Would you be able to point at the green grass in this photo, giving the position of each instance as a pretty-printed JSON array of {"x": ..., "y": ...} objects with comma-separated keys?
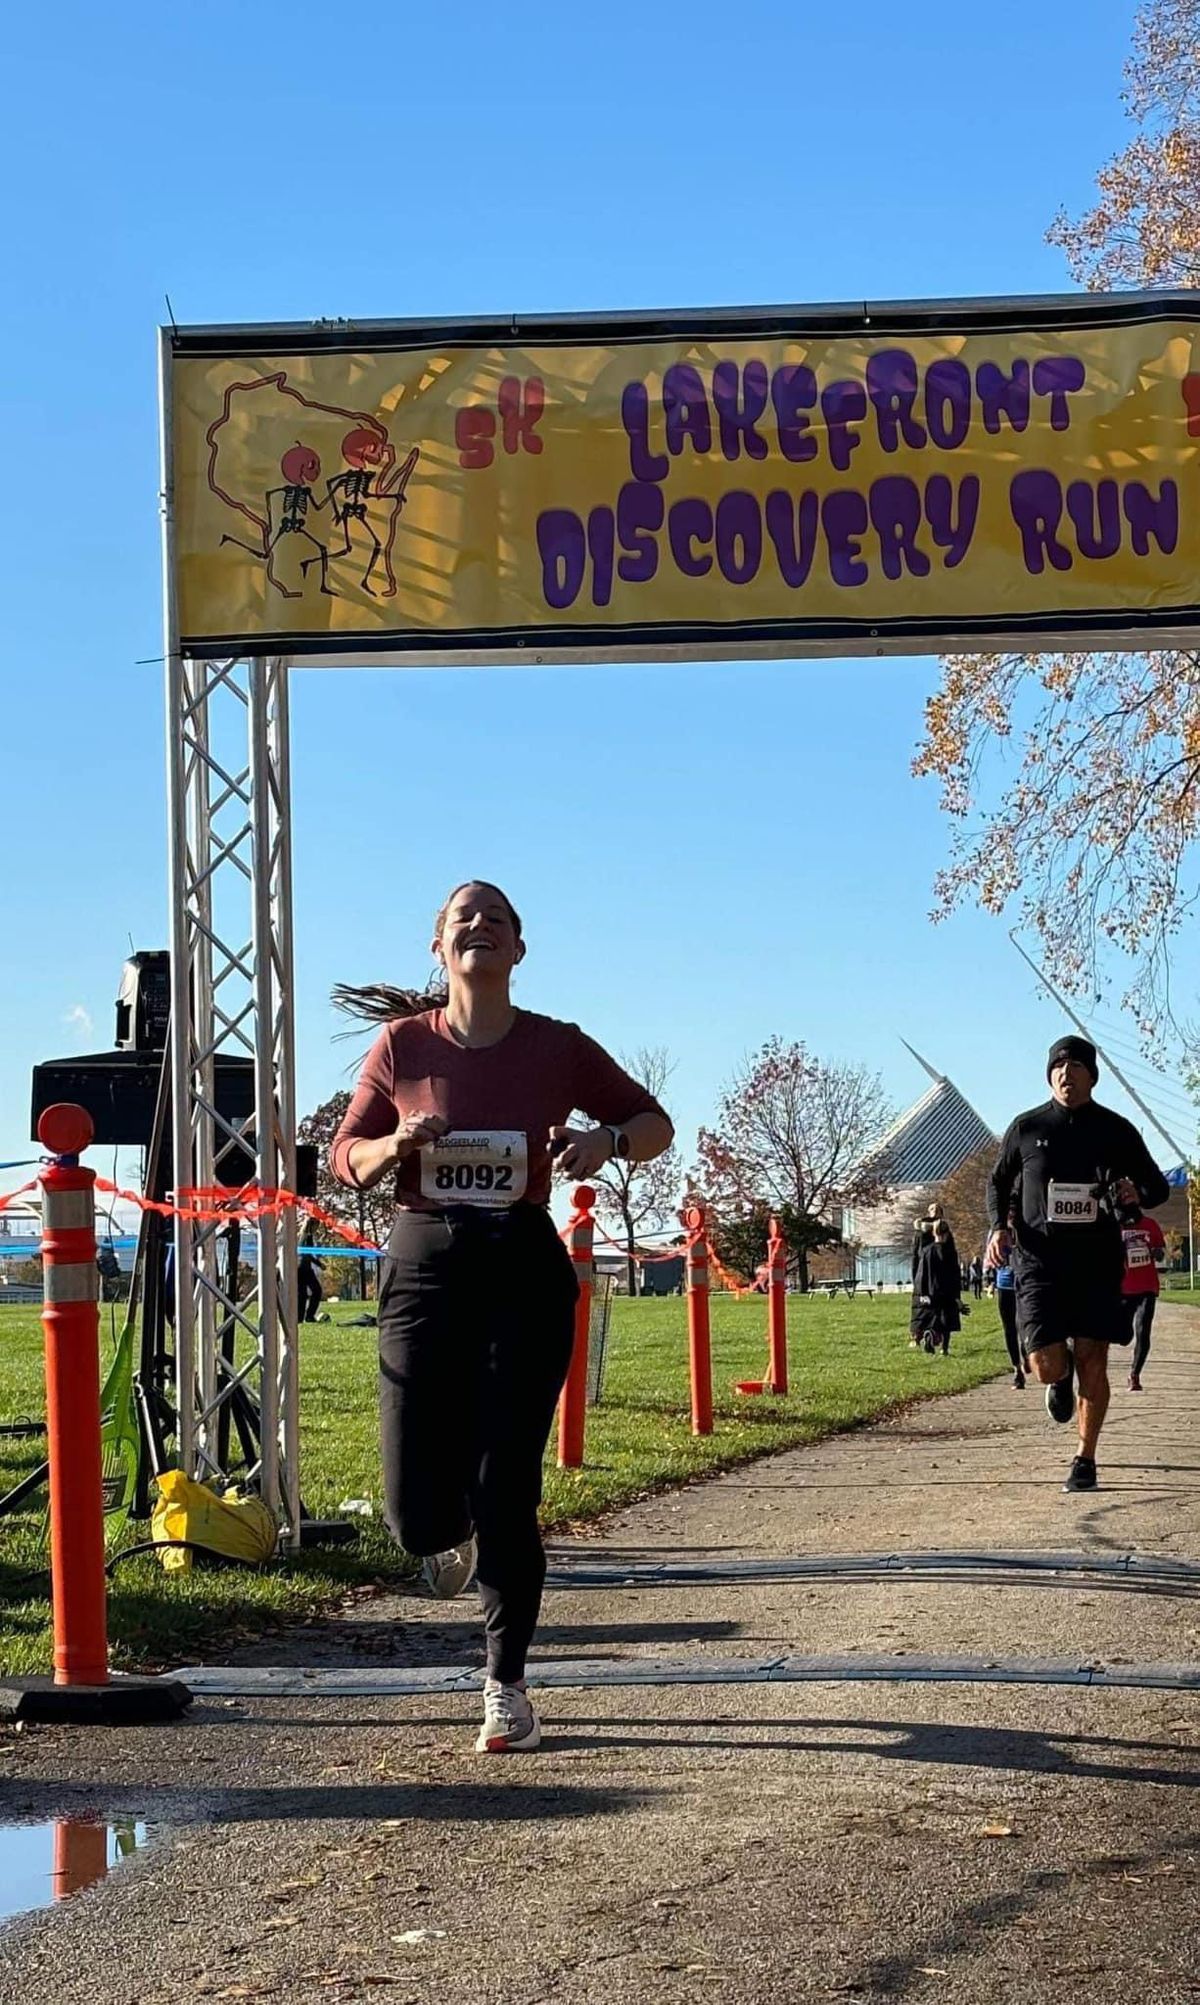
[
  {"x": 849, "y": 1363},
  {"x": 1177, "y": 1290}
]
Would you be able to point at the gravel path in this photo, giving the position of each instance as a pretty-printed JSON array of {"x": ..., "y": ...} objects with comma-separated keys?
[{"x": 736, "y": 1842}]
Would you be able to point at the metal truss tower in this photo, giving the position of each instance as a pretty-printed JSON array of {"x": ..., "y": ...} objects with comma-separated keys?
[{"x": 231, "y": 994}]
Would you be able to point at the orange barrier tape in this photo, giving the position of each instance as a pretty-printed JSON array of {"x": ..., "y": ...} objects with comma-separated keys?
[
  {"x": 212, "y": 1205},
  {"x": 727, "y": 1280},
  {"x": 642, "y": 1259},
  {"x": 13, "y": 1195}
]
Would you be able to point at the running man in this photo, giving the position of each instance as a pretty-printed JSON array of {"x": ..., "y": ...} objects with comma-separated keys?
[{"x": 1077, "y": 1164}]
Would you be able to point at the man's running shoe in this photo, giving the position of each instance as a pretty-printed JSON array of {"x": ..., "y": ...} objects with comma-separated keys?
[
  {"x": 447, "y": 1573},
  {"x": 1135, "y": 1383},
  {"x": 1018, "y": 1381},
  {"x": 510, "y": 1725},
  {"x": 1082, "y": 1475},
  {"x": 1060, "y": 1398}
]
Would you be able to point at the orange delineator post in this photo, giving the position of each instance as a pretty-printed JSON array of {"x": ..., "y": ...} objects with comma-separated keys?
[
  {"x": 71, "y": 1321},
  {"x": 572, "y": 1405},
  {"x": 777, "y": 1308},
  {"x": 699, "y": 1336}
]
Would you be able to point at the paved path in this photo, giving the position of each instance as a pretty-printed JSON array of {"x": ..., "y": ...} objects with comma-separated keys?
[{"x": 731, "y": 1842}]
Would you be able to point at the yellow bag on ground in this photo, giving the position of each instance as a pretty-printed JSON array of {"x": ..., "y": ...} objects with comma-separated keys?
[{"x": 232, "y": 1526}]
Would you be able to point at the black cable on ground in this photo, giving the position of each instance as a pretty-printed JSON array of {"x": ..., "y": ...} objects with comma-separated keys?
[{"x": 42, "y": 1574}]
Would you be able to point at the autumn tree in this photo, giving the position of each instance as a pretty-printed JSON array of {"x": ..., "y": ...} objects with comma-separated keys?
[
  {"x": 792, "y": 1135},
  {"x": 964, "y": 1196},
  {"x": 369, "y": 1212},
  {"x": 742, "y": 1239},
  {"x": 1089, "y": 840},
  {"x": 641, "y": 1198}
]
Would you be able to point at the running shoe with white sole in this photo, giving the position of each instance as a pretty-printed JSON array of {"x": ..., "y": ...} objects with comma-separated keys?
[
  {"x": 510, "y": 1725},
  {"x": 447, "y": 1573},
  {"x": 1060, "y": 1398}
]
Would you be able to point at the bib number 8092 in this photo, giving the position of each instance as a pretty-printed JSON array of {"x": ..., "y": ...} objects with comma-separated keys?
[
  {"x": 487, "y": 1167},
  {"x": 492, "y": 1177}
]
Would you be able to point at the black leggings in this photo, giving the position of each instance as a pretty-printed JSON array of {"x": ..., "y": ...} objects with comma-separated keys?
[
  {"x": 1006, "y": 1302},
  {"x": 1141, "y": 1317},
  {"x": 476, "y": 1323}
]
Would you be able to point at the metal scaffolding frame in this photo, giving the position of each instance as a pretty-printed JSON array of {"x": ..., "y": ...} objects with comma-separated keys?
[{"x": 231, "y": 994}]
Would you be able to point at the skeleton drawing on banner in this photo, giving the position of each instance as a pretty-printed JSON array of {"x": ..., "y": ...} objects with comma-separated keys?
[
  {"x": 296, "y": 531},
  {"x": 370, "y": 456},
  {"x": 288, "y": 515}
]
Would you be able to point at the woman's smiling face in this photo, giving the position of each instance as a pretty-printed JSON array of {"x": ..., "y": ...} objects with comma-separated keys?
[{"x": 478, "y": 935}]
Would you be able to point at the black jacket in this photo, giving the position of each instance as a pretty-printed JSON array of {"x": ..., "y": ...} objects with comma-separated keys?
[
  {"x": 936, "y": 1291},
  {"x": 1089, "y": 1145}
]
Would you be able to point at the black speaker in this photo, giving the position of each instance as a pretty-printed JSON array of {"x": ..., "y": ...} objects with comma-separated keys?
[
  {"x": 234, "y": 1166},
  {"x": 144, "y": 1002},
  {"x": 119, "y": 1089}
]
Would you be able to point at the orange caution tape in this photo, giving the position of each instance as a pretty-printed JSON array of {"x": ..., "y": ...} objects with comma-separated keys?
[
  {"x": 13, "y": 1195},
  {"x": 727, "y": 1280},
  {"x": 211, "y": 1205},
  {"x": 642, "y": 1259}
]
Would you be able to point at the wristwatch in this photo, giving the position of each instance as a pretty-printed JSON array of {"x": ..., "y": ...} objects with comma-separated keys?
[{"x": 620, "y": 1141}]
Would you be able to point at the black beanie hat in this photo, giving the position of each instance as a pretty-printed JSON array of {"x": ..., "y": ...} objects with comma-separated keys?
[{"x": 1073, "y": 1047}]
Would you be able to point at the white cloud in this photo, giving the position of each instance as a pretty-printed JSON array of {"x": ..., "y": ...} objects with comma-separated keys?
[{"x": 78, "y": 1017}]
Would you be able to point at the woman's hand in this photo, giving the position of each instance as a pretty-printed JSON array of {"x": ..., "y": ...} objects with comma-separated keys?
[
  {"x": 580, "y": 1152},
  {"x": 413, "y": 1131},
  {"x": 371, "y": 1161}
]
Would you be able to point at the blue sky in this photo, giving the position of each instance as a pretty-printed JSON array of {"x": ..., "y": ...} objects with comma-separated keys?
[{"x": 704, "y": 855}]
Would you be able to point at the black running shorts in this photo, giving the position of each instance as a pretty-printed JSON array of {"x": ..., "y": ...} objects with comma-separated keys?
[{"x": 1051, "y": 1308}]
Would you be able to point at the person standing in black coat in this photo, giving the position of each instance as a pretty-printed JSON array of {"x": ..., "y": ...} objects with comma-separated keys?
[{"x": 937, "y": 1285}]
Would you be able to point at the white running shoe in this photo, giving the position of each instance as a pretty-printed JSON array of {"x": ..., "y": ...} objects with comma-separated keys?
[
  {"x": 447, "y": 1573},
  {"x": 510, "y": 1725}
]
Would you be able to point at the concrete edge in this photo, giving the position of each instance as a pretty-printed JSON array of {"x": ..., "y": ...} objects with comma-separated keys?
[{"x": 285, "y": 1681}]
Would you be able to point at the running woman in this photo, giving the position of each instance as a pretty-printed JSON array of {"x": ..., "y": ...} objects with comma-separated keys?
[
  {"x": 1142, "y": 1239},
  {"x": 463, "y": 1101},
  {"x": 1077, "y": 1164}
]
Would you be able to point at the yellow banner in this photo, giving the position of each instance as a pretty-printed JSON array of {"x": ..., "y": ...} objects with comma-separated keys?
[{"x": 669, "y": 494}]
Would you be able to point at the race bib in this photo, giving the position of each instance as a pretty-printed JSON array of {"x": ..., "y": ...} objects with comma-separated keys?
[
  {"x": 1071, "y": 1204},
  {"x": 1137, "y": 1253},
  {"x": 489, "y": 1166}
]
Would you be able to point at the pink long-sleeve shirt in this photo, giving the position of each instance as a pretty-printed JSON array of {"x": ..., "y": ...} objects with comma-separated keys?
[{"x": 529, "y": 1082}]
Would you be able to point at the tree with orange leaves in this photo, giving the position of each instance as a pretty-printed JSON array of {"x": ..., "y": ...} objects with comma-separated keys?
[{"x": 1090, "y": 841}]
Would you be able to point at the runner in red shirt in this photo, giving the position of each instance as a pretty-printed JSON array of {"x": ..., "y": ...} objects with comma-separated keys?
[
  {"x": 1142, "y": 1239},
  {"x": 464, "y": 1101}
]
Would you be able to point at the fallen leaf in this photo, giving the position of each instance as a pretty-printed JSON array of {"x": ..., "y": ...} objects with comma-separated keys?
[
  {"x": 996, "y": 1831},
  {"x": 422, "y": 1935}
]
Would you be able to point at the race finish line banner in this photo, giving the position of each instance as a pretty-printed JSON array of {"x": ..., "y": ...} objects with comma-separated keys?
[{"x": 794, "y": 481}]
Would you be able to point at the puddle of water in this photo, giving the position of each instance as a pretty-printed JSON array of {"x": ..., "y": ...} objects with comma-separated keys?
[{"x": 41, "y": 1863}]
